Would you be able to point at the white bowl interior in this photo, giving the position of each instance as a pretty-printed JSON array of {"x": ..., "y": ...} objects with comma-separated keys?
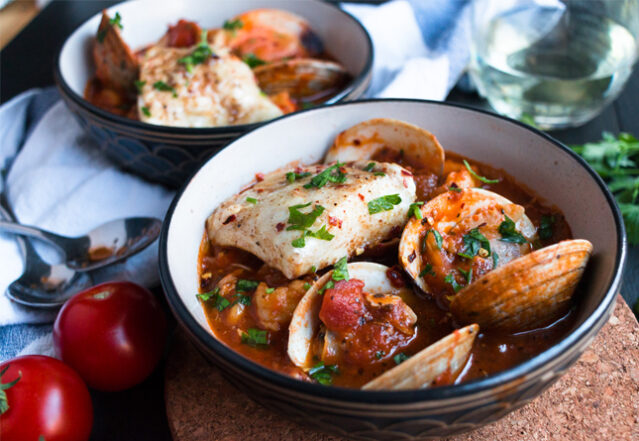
[
  {"x": 534, "y": 161},
  {"x": 144, "y": 23}
]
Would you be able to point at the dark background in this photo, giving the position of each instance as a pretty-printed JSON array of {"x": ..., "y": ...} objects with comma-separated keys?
[{"x": 27, "y": 62}]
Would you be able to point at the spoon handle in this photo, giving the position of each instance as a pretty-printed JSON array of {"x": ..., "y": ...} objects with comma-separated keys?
[{"x": 25, "y": 230}]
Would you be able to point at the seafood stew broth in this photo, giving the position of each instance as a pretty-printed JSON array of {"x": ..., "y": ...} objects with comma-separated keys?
[{"x": 249, "y": 304}]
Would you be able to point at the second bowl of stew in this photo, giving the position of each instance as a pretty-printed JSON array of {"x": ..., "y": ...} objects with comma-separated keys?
[{"x": 393, "y": 268}]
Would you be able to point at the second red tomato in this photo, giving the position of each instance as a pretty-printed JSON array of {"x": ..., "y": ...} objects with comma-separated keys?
[{"x": 112, "y": 334}]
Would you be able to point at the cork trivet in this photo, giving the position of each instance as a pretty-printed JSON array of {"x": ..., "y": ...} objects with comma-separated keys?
[{"x": 597, "y": 399}]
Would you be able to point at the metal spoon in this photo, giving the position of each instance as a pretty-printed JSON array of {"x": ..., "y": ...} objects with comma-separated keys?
[
  {"x": 42, "y": 285},
  {"x": 104, "y": 245}
]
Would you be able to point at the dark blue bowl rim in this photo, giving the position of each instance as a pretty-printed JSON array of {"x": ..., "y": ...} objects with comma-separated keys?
[
  {"x": 65, "y": 89},
  {"x": 402, "y": 397}
]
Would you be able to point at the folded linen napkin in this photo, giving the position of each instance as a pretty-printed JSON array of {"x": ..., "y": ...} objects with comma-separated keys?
[{"x": 55, "y": 177}]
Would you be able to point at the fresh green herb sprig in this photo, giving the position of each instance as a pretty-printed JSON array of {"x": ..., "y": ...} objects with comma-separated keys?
[
  {"x": 116, "y": 21},
  {"x": 615, "y": 159},
  {"x": 163, "y": 87},
  {"x": 383, "y": 203},
  {"x": 479, "y": 177},
  {"x": 256, "y": 338},
  {"x": 233, "y": 25},
  {"x": 253, "y": 61},
  {"x": 200, "y": 54},
  {"x": 331, "y": 174},
  {"x": 303, "y": 221},
  {"x": 323, "y": 373},
  {"x": 400, "y": 358},
  {"x": 509, "y": 233}
]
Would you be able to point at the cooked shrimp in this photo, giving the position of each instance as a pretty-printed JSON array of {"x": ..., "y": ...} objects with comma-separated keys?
[{"x": 274, "y": 309}]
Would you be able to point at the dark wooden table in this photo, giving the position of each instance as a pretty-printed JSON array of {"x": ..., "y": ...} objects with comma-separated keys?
[{"x": 27, "y": 62}]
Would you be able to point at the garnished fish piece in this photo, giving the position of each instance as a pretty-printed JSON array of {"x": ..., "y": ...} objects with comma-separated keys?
[
  {"x": 389, "y": 137},
  {"x": 193, "y": 87},
  {"x": 299, "y": 218},
  {"x": 527, "y": 292},
  {"x": 437, "y": 364}
]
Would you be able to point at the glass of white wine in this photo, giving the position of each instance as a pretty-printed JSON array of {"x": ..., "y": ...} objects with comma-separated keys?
[{"x": 553, "y": 63}]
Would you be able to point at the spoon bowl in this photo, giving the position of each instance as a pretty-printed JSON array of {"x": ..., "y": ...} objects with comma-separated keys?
[{"x": 105, "y": 245}]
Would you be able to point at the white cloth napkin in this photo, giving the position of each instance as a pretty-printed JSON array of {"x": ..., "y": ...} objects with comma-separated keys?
[{"x": 58, "y": 180}]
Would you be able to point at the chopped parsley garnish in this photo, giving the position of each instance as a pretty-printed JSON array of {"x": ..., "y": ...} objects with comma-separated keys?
[
  {"x": 509, "y": 233},
  {"x": 450, "y": 279},
  {"x": 242, "y": 299},
  {"x": 292, "y": 176},
  {"x": 244, "y": 285},
  {"x": 313, "y": 269},
  {"x": 428, "y": 270},
  {"x": 615, "y": 159},
  {"x": 379, "y": 173},
  {"x": 329, "y": 285},
  {"x": 481, "y": 178},
  {"x": 200, "y": 54},
  {"x": 255, "y": 337},
  {"x": 253, "y": 61},
  {"x": 251, "y": 200},
  {"x": 384, "y": 203},
  {"x": 4, "y": 403},
  {"x": 307, "y": 286},
  {"x": 468, "y": 275},
  {"x": 219, "y": 302},
  {"x": 233, "y": 25},
  {"x": 340, "y": 270},
  {"x": 546, "y": 227},
  {"x": 323, "y": 373},
  {"x": 331, "y": 174},
  {"x": 139, "y": 85},
  {"x": 379, "y": 354},
  {"x": 436, "y": 235},
  {"x": 163, "y": 87},
  {"x": 415, "y": 211},
  {"x": 400, "y": 358},
  {"x": 455, "y": 188},
  {"x": 270, "y": 290},
  {"x": 116, "y": 21},
  {"x": 146, "y": 111},
  {"x": 369, "y": 167},
  {"x": 302, "y": 221},
  {"x": 474, "y": 241}
]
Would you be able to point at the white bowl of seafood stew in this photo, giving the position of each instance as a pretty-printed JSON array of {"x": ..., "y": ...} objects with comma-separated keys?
[
  {"x": 419, "y": 299},
  {"x": 159, "y": 94}
]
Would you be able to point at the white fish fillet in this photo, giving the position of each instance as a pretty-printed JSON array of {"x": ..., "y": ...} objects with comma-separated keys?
[{"x": 261, "y": 228}]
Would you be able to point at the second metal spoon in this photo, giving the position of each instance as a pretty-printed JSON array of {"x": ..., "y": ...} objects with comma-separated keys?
[{"x": 102, "y": 246}]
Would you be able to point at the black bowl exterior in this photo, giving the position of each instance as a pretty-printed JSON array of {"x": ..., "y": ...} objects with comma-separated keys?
[{"x": 407, "y": 415}]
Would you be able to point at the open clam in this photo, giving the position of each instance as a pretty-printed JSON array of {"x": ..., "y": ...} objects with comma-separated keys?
[
  {"x": 351, "y": 321},
  {"x": 475, "y": 247},
  {"x": 389, "y": 137},
  {"x": 305, "y": 79}
]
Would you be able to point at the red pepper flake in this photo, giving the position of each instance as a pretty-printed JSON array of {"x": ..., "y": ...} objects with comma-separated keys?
[
  {"x": 335, "y": 222},
  {"x": 395, "y": 277},
  {"x": 279, "y": 226},
  {"x": 405, "y": 183},
  {"x": 406, "y": 173},
  {"x": 411, "y": 256},
  {"x": 357, "y": 141},
  {"x": 229, "y": 219},
  {"x": 361, "y": 196},
  {"x": 259, "y": 177},
  {"x": 299, "y": 170},
  {"x": 259, "y": 190}
]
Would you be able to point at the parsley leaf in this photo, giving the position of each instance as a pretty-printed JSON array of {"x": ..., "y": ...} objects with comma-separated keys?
[
  {"x": 302, "y": 221},
  {"x": 251, "y": 200},
  {"x": 436, "y": 235},
  {"x": 450, "y": 279},
  {"x": 329, "y": 285},
  {"x": 270, "y": 290},
  {"x": 139, "y": 85},
  {"x": 4, "y": 403},
  {"x": 340, "y": 270},
  {"x": 219, "y": 302},
  {"x": 615, "y": 159},
  {"x": 162, "y": 86},
  {"x": 428, "y": 270},
  {"x": 509, "y": 233},
  {"x": 474, "y": 241},
  {"x": 307, "y": 286},
  {"x": 323, "y": 373},
  {"x": 242, "y": 299},
  {"x": 244, "y": 285},
  {"x": 292, "y": 176},
  {"x": 331, "y": 174},
  {"x": 481, "y": 178},
  {"x": 369, "y": 166},
  {"x": 384, "y": 203},
  {"x": 468, "y": 275},
  {"x": 255, "y": 337},
  {"x": 546, "y": 227},
  {"x": 400, "y": 358},
  {"x": 379, "y": 354},
  {"x": 146, "y": 111},
  {"x": 232, "y": 25},
  {"x": 252, "y": 60},
  {"x": 415, "y": 211},
  {"x": 116, "y": 21},
  {"x": 201, "y": 54}
]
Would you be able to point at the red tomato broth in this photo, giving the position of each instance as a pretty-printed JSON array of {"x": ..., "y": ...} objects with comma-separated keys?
[{"x": 493, "y": 351}]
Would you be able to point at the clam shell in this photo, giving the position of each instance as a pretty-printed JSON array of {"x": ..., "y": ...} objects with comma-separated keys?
[
  {"x": 420, "y": 147},
  {"x": 527, "y": 291},
  {"x": 306, "y": 322},
  {"x": 444, "y": 357},
  {"x": 304, "y": 79},
  {"x": 471, "y": 204}
]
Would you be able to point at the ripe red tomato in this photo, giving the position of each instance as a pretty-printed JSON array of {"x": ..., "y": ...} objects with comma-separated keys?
[
  {"x": 112, "y": 334},
  {"x": 49, "y": 401}
]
